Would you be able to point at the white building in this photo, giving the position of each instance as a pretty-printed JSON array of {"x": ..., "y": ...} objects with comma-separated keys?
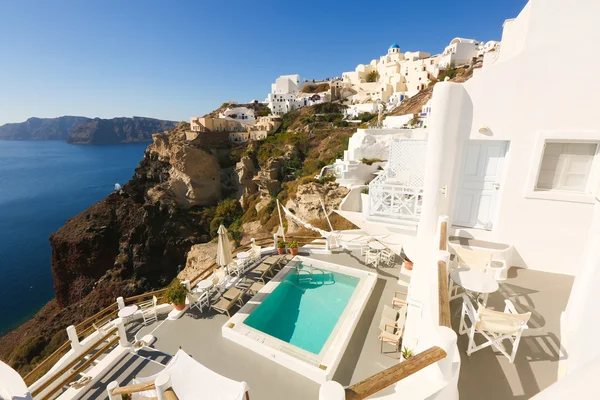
[
  {"x": 287, "y": 84},
  {"x": 396, "y": 74},
  {"x": 459, "y": 51},
  {"x": 284, "y": 95},
  {"x": 244, "y": 115},
  {"x": 514, "y": 166}
]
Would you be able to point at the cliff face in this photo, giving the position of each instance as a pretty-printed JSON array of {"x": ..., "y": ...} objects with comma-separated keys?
[
  {"x": 118, "y": 130},
  {"x": 131, "y": 242},
  {"x": 82, "y": 130},
  {"x": 142, "y": 232},
  {"x": 41, "y": 128}
]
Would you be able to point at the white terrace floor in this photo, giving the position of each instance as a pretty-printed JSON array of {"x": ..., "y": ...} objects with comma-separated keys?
[
  {"x": 483, "y": 375},
  {"x": 200, "y": 336}
]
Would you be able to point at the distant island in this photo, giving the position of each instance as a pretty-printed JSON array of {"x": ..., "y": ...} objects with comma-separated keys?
[{"x": 83, "y": 130}]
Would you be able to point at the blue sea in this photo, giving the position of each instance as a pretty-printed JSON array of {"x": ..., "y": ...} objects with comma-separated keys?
[{"x": 42, "y": 184}]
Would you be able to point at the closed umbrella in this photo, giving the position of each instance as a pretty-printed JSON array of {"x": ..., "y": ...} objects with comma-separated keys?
[{"x": 224, "y": 256}]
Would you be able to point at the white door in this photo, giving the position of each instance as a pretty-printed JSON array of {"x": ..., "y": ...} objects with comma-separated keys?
[{"x": 481, "y": 176}]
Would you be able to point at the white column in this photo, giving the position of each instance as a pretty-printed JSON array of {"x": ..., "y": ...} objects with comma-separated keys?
[
  {"x": 112, "y": 386},
  {"x": 120, "y": 303},
  {"x": 447, "y": 341},
  {"x": 332, "y": 390},
  {"x": 162, "y": 383},
  {"x": 582, "y": 310},
  {"x": 120, "y": 323},
  {"x": 448, "y": 130},
  {"x": 72, "y": 334}
]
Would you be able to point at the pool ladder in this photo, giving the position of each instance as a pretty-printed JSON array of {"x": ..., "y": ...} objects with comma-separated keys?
[{"x": 307, "y": 276}]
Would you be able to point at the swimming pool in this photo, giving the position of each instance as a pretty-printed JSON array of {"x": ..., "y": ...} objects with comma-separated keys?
[
  {"x": 305, "y": 307},
  {"x": 304, "y": 317}
]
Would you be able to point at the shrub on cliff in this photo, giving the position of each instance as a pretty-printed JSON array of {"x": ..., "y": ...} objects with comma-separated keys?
[
  {"x": 366, "y": 116},
  {"x": 321, "y": 87},
  {"x": 226, "y": 213},
  {"x": 329, "y": 108}
]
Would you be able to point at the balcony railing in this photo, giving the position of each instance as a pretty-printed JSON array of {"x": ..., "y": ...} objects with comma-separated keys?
[{"x": 394, "y": 200}]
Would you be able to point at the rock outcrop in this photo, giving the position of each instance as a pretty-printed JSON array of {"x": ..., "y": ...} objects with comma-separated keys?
[
  {"x": 307, "y": 206},
  {"x": 245, "y": 170},
  {"x": 194, "y": 174},
  {"x": 143, "y": 232}
]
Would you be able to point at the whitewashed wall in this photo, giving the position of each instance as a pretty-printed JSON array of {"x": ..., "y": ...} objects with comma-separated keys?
[{"x": 517, "y": 100}]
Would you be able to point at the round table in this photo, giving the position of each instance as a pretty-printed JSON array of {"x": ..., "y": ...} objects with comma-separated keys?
[
  {"x": 127, "y": 312},
  {"x": 242, "y": 255},
  {"x": 475, "y": 281},
  {"x": 375, "y": 245},
  {"x": 204, "y": 285}
]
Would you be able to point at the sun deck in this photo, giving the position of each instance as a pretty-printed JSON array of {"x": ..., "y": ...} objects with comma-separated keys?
[
  {"x": 200, "y": 336},
  {"x": 484, "y": 374}
]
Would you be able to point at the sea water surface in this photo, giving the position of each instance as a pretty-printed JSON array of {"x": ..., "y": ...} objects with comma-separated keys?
[{"x": 42, "y": 184}]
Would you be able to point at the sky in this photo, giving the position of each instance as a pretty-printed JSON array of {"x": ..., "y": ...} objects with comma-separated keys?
[{"x": 177, "y": 59}]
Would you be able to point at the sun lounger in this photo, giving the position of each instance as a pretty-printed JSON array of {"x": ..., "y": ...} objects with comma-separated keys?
[
  {"x": 234, "y": 293},
  {"x": 224, "y": 305},
  {"x": 255, "y": 287},
  {"x": 262, "y": 271}
]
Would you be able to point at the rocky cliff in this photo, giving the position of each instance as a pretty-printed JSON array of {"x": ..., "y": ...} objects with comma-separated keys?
[
  {"x": 133, "y": 241},
  {"x": 118, "y": 130},
  {"x": 82, "y": 130},
  {"x": 41, "y": 128}
]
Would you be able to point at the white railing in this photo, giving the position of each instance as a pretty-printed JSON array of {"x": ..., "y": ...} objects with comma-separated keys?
[{"x": 394, "y": 200}]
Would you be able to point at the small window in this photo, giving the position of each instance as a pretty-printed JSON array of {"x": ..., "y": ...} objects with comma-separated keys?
[{"x": 566, "y": 166}]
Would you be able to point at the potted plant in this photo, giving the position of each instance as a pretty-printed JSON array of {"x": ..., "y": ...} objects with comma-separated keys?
[
  {"x": 406, "y": 353},
  {"x": 125, "y": 396},
  {"x": 293, "y": 247},
  {"x": 176, "y": 294},
  {"x": 408, "y": 264},
  {"x": 281, "y": 247}
]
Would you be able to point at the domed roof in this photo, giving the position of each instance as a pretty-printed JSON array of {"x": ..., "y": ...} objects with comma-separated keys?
[{"x": 394, "y": 46}]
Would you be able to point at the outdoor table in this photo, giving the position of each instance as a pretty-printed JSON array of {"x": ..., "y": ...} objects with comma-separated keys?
[
  {"x": 204, "y": 285},
  {"x": 476, "y": 281},
  {"x": 127, "y": 312},
  {"x": 242, "y": 255}
]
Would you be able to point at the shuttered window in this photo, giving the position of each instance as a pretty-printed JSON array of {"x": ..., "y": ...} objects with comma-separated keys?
[{"x": 566, "y": 166}]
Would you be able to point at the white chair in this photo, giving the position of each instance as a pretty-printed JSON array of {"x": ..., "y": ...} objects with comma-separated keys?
[
  {"x": 391, "y": 326},
  {"x": 104, "y": 327},
  {"x": 364, "y": 248},
  {"x": 465, "y": 258},
  {"x": 372, "y": 257},
  {"x": 237, "y": 267},
  {"x": 200, "y": 300},
  {"x": 219, "y": 278},
  {"x": 494, "y": 326},
  {"x": 255, "y": 251},
  {"x": 148, "y": 309},
  {"x": 387, "y": 257}
]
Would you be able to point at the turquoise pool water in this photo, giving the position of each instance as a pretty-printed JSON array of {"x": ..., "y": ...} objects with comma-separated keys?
[{"x": 304, "y": 311}]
